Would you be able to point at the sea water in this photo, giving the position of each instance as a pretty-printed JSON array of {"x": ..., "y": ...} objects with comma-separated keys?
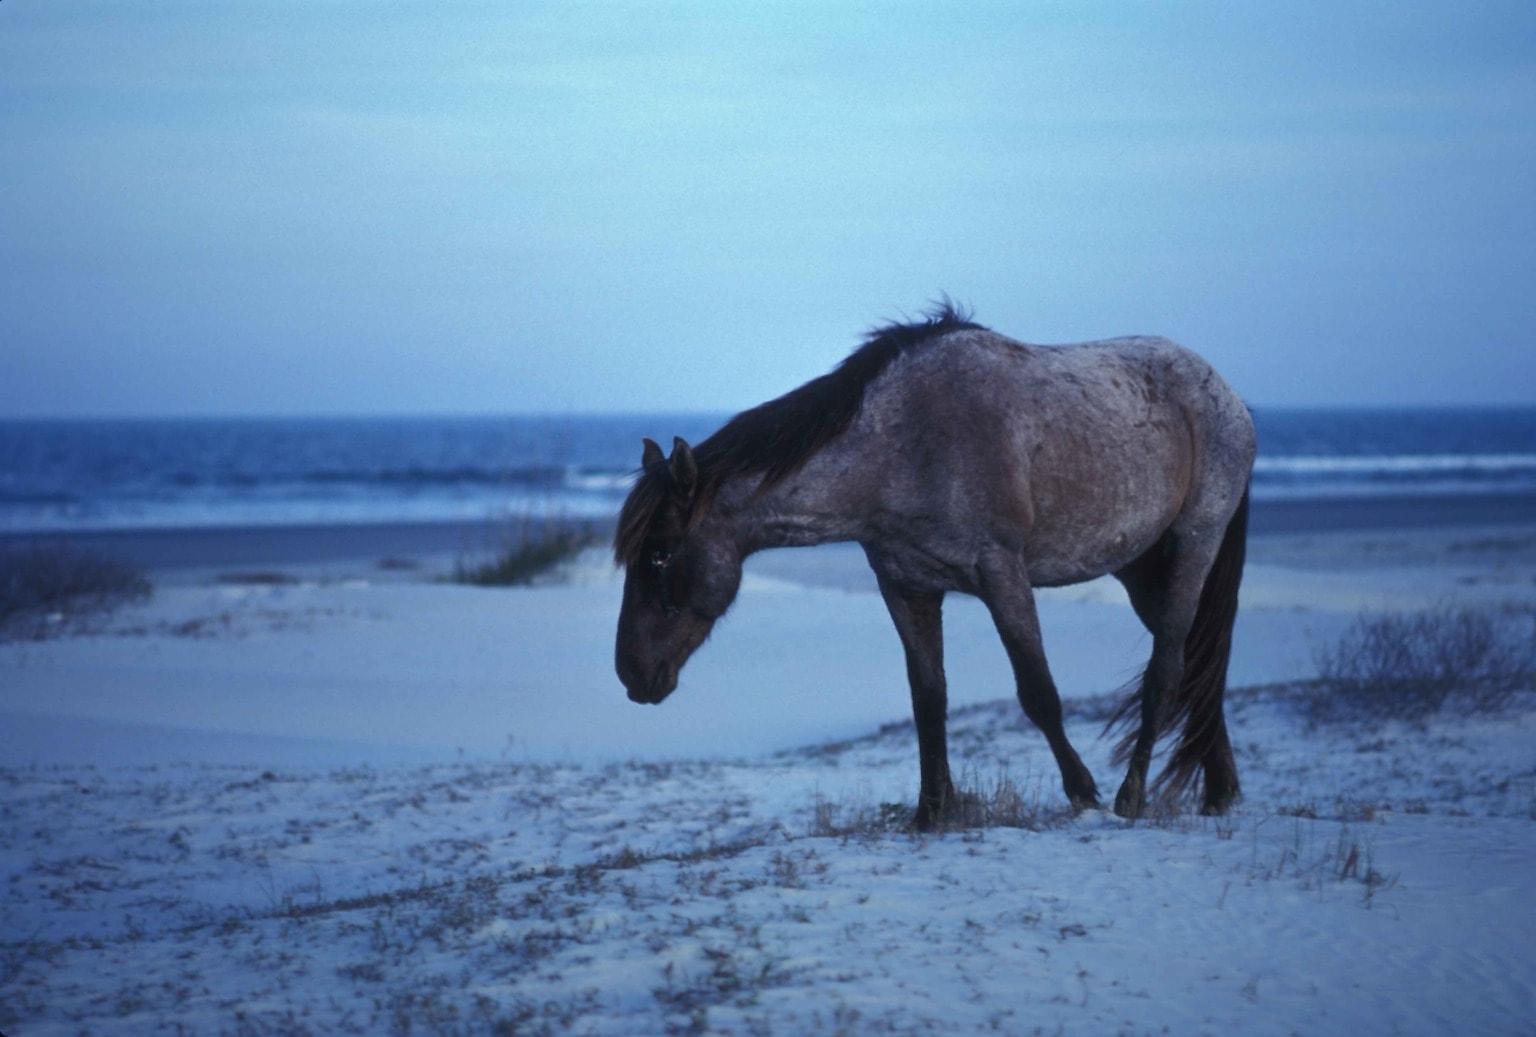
[{"x": 142, "y": 474}]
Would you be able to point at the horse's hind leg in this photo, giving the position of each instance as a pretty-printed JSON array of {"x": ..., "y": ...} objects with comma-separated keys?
[
  {"x": 1011, "y": 600},
  {"x": 1164, "y": 587},
  {"x": 1220, "y": 768},
  {"x": 919, "y": 623},
  {"x": 1159, "y": 684}
]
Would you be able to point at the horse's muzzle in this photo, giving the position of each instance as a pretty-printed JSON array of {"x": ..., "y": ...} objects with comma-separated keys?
[{"x": 661, "y": 683}]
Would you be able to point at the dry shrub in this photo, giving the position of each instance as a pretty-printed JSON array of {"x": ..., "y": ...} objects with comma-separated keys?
[
  {"x": 529, "y": 549},
  {"x": 43, "y": 586},
  {"x": 1408, "y": 666}
]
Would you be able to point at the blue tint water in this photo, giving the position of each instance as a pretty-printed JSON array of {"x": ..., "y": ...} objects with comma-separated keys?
[
  {"x": 63, "y": 475},
  {"x": 1367, "y": 453}
]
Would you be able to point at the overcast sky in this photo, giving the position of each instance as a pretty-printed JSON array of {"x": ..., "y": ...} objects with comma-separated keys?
[{"x": 365, "y": 207}]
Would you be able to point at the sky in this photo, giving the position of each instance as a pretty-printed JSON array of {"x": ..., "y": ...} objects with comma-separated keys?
[{"x": 336, "y": 207}]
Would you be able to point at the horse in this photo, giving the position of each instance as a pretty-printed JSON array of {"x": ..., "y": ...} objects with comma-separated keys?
[{"x": 962, "y": 460}]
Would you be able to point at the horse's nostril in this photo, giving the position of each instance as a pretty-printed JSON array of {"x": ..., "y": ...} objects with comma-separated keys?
[{"x": 648, "y": 688}]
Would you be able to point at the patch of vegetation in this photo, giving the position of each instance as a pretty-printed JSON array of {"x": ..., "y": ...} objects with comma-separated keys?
[
  {"x": 529, "y": 550},
  {"x": 44, "y": 588},
  {"x": 258, "y": 578},
  {"x": 998, "y": 802},
  {"x": 1408, "y": 666}
]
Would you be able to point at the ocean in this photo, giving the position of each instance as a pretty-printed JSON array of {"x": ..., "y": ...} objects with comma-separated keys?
[{"x": 75, "y": 475}]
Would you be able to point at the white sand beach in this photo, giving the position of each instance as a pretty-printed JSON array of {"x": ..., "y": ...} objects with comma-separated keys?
[{"x": 329, "y": 796}]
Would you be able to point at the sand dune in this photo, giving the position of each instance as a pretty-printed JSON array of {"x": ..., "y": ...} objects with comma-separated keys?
[{"x": 360, "y": 801}]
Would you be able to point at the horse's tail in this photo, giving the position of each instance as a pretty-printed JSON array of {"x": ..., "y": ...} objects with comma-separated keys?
[{"x": 1207, "y": 650}]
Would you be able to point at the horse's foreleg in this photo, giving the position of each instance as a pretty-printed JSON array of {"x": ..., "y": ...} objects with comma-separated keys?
[
  {"x": 920, "y": 624},
  {"x": 1011, "y": 601}
]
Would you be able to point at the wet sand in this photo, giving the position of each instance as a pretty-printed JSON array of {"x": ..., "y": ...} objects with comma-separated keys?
[{"x": 427, "y": 544}]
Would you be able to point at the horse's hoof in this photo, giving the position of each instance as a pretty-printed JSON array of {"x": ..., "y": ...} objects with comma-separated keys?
[
  {"x": 1079, "y": 804},
  {"x": 928, "y": 818},
  {"x": 1218, "y": 804},
  {"x": 1130, "y": 804}
]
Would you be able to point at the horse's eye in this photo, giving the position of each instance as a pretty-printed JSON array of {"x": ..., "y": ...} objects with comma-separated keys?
[{"x": 660, "y": 559}]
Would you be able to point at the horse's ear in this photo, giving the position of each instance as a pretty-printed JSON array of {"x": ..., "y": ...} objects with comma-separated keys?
[
  {"x": 685, "y": 472},
  {"x": 652, "y": 456}
]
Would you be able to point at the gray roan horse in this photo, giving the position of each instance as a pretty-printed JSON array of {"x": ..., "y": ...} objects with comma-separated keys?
[{"x": 961, "y": 460}]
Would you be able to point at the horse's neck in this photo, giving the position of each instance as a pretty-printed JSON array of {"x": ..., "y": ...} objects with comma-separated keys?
[{"x": 813, "y": 506}]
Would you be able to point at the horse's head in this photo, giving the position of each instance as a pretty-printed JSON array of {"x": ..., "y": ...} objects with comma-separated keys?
[{"x": 682, "y": 570}]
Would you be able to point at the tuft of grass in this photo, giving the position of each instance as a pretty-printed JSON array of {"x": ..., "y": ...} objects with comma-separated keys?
[
  {"x": 1355, "y": 861},
  {"x": 45, "y": 586},
  {"x": 530, "y": 548},
  {"x": 1409, "y": 666},
  {"x": 999, "y": 802},
  {"x": 980, "y": 803}
]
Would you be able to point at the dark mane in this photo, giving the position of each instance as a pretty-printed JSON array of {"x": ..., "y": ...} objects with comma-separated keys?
[{"x": 778, "y": 437}]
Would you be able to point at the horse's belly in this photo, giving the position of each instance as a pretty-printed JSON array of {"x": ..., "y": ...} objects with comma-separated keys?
[
  {"x": 1055, "y": 562},
  {"x": 1098, "y": 531},
  {"x": 1053, "y": 565}
]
